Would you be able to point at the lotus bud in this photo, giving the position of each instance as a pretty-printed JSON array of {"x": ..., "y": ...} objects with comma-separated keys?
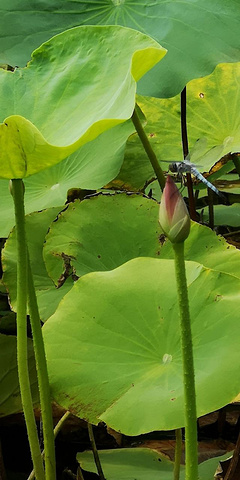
[{"x": 173, "y": 215}]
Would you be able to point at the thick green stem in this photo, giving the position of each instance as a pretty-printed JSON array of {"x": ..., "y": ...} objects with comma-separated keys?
[
  {"x": 56, "y": 431},
  {"x": 22, "y": 354},
  {"x": 43, "y": 382},
  {"x": 95, "y": 452},
  {"x": 178, "y": 454},
  {"x": 191, "y": 447},
  {"x": 148, "y": 149}
]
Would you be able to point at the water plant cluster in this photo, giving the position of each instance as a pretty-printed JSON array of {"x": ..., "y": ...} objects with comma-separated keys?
[{"x": 97, "y": 100}]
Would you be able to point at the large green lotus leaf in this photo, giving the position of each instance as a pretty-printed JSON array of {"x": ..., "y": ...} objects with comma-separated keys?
[
  {"x": 10, "y": 400},
  {"x": 205, "y": 247},
  {"x": 142, "y": 464},
  {"x": 197, "y": 33},
  {"x": 77, "y": 85},
  {"x": 91, "y": 167},
  {"x": 101, "y": 233},
  {"x": 48, "y": 295},
  {"x": 213, "y": 105},
  {"x": 113, "y": 345}
]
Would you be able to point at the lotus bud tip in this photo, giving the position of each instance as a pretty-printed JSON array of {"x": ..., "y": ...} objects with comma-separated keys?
[{"x": 173, "y": 214}]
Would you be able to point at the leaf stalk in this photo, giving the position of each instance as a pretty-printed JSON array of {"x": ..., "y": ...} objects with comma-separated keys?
[
  {"x": 22, "y": 352},
  {"x": 148, "y": 149},
  {"x": 56, "y": 432},
  {"x": 43, "y": 381},
  {"x": 95, "y": 452},
  {"x": 191, "y": 446}
]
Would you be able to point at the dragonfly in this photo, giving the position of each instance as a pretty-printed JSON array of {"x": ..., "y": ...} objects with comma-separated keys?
[{"x": 188, "y": 167}]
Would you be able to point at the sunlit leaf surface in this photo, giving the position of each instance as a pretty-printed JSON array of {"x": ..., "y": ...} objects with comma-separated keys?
[
  {"x": 113, "y": 345},
  {"x": 77, "y": 85}
]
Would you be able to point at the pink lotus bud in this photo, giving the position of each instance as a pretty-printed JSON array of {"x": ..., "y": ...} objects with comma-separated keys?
[{"x": 173, "y": 215}]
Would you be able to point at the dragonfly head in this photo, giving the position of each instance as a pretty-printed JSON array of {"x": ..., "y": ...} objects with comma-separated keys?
[{"x": 173, "y": 167}]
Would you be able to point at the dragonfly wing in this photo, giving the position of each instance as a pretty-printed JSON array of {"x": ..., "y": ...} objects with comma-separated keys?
[{"x": 202, "y": 179}]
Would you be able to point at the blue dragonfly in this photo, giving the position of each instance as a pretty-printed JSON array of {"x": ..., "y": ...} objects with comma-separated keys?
[{"x": 188, "y": 167}]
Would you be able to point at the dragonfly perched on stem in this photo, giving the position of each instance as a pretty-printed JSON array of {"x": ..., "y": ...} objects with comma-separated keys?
[{"x": 188, "y": 167}]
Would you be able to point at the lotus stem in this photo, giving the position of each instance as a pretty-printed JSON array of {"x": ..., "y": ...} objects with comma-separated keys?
[
  {"x": 55, "y": 431},
  {"x": 191, "y": 446},
  {"x": 22, "y": 351},
  {"x": 148, "y": 149},
  {"x": 43, "y": 381},
  {"x": 95, "y": 452}
]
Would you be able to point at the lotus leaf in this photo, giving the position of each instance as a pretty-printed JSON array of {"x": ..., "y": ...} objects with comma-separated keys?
[
  {"x": 224, "y": 215},
  {"x": 107, "y": 230},
  {"x": 77, "y": 85},
  {"x": 130, "y": 464},
  {"x": 101, "y": 233},
  {"x": 48, "y": 295},
  {"x": 91, "y": 166},
  {"x": 205, "y": 247},
  {"x": 10, "y": 400},
  {"x": 197, "y": 33},
  {"x": 213, "y": 105},
  {"x": 141, "y": 464},
  {"x": 113, "y": 345}
]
